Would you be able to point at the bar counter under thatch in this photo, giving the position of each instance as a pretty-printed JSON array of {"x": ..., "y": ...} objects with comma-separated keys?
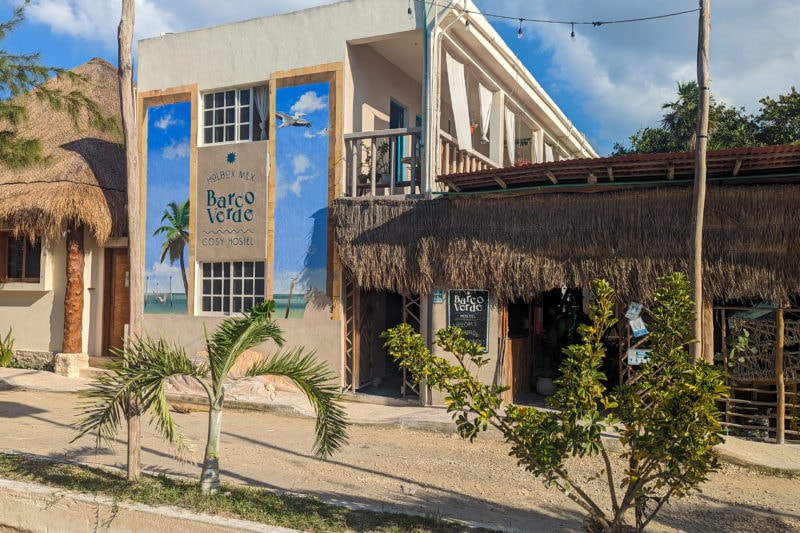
[
  {"x": 83, "y": 180},
  {"x": 519, "y": 245}
]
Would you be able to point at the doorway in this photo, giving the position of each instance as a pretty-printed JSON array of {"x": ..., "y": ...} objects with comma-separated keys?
[{"x": 116, "y": 302}]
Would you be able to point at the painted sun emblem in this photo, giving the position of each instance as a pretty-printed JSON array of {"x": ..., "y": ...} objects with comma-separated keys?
[{"x": 231, "y": 157}]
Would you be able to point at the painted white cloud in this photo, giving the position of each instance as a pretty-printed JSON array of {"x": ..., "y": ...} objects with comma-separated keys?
[
  {"x": 166, "y": 121},
  {"x": 176, "y": 149},
  {"x": 309, "y": 102},
  {"x": 301, "y": 172},
  {"x": 313, "y": 135}
]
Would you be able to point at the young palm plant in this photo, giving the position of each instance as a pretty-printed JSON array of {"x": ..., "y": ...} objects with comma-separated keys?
[{"x": 141, "y": 372}]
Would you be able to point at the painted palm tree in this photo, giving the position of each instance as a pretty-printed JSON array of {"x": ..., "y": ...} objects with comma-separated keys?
[
  {"x": 176, "y": 232},
  {"x": 142, "y": 370}
]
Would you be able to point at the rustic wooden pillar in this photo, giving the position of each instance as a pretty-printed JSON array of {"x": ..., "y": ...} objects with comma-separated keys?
[
  {"x": 780, "y": 386},
  {"x": 708, "y": 332},
  {"x": 73, "y": 296}
]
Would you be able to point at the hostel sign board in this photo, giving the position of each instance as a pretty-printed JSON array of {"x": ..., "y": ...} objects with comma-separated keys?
[
  {"x": 469, "y": 310},
  {"x": 231, "y": 202}
]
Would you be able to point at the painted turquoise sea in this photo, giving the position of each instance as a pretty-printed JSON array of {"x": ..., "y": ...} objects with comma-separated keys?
[
  {"x": 176, "y": 304},
  {"x": 166, "y": 304}
]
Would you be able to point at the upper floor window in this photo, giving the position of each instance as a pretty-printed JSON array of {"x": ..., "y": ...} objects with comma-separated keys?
[
  {"x": 235, "y": 115},
  {"x": 21, "y": 259}
]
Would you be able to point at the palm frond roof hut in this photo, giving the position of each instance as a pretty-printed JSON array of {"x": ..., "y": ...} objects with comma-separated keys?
[
  {"x": 83, "y": 179},
  {"x": 521, "y": 230}
]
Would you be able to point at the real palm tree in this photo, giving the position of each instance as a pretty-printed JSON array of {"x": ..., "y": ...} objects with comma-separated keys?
[
  {"x": 142, "y": 369},
  {"x": 177, "y": 236}
]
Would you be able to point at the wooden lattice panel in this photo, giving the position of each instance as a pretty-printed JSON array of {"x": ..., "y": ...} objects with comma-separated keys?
[{"x": 760, "y": 363}]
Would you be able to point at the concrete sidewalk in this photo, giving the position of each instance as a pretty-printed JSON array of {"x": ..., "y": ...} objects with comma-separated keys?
[{"x": 784, "y": 457}]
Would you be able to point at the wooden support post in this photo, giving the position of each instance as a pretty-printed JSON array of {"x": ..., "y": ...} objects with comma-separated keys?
[
  {"x": 708, "y": 332},
  {"x": 780, "y": 386}
]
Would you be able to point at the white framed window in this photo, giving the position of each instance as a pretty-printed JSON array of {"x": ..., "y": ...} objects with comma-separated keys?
[
  {"x": 227, "y": 116},
  {"x": 21, "y": 259},
  {"x": 231, "y": 286}
]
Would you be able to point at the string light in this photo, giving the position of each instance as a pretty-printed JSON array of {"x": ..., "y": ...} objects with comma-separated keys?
[
  {"x": 466, "y": 22},
  {"x": 409, "y": 8},
  {"x": 595, "y": 23}
]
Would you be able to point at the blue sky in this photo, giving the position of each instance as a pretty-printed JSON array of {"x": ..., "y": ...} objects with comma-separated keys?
[{"x": 610, "y": 81}]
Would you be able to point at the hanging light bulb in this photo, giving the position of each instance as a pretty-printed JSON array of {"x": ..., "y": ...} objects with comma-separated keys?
[
  {"x": 409, "y": 9},
  {"x": 572, "y": 35},
  {"x": 519, "y": 31},
  {"x": 466, "y": 22}
]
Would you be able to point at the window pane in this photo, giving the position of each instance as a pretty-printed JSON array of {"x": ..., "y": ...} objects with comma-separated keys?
[
  {"x": 216, "y": 304},
  {"x": 14, "y": 262},
  {"x": 219, "y": 134},
  {"x": 206, "y": 303},
  {"x": 219, "y": 116},
  {"x": 206, "y": 269},
  {"x": 217, "y": 287},
  {"x": 206, "y": 286},
  {"x": 219, "y": 99},
  {"x": 237, "y": 305},
  {"x": 259, "y": 287},
  {"x": 230, "y": 132},
  {"x": 248, "y": 286},
  {"x": 260, "y": 269},
  {"x": 237, "y": 269},
  {"x": 244, "y": 132},
  {"x": 217, "y": 269},
  {"x": 33, "y": 254},
  {"x": 248, "y": 269},
  {"x": 226, "y": 305},
  {"x": 209, "y": 136},
  {"x": 208, "y": 100},
  {"x": 244, "y": 115},
  {"x": 230, "y": 98},
  {"x": 208, "y": 117},
  {"x": 244, "y": 96},
  {"x": 237, "y": 286},
  {"x": 230, "y": 116}
]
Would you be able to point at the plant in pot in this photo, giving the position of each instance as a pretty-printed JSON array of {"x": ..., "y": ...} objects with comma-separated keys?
[{"x": 382, "y": 167}]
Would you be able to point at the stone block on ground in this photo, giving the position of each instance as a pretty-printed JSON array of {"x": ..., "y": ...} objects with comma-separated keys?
[{"x": 70, "y": 364}]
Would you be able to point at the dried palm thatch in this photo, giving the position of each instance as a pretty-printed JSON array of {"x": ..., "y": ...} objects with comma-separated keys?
[
  {"x": 517, "y": 246},
  {"x": 83, "y": 179}
]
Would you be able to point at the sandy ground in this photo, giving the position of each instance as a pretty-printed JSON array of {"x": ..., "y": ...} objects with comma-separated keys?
[{"x": 398, "y": 469}]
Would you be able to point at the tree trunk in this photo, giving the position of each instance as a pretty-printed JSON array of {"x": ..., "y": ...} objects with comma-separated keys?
[
  {"x": 125, "y": 75},
  {"x": 183, "y": 275},
  {"x": 73, "y": 297},
  {"x": 700, "y": 174},
  {"x": 209, "y": 477}
]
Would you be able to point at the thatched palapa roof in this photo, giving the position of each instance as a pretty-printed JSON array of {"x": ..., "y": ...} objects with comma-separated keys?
[
  {"x": 518, "y": 244},
  {"x": 83, "y": 180}
]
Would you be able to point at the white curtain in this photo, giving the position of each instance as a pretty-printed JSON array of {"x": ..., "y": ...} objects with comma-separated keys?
[
  {"x": 261, "y": 99},
  {"x": 534, "y": 147},
  {"x": 511, "y": 134},
  {"x": 486, "y": 111},
  {"x": 548, "y": 153},
  {"x": 458, "y": 98}
]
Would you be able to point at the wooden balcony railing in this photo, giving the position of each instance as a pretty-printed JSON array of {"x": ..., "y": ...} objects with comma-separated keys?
[
  {"x": 383, "y": 162},
  {"x": 454, "y": 160}
]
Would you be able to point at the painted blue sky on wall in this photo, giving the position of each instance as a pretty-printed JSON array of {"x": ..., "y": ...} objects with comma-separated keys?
[
  {"x": 168, "y": 149},
  {"x": 301, "y": 191}
]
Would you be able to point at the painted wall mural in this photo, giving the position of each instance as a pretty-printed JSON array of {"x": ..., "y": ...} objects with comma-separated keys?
[
  {"x": 301, "y": 197},
  {"x": 168, "y": 209}
]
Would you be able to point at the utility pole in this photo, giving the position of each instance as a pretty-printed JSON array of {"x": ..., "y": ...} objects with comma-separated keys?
[
  {"x": 701, "y": 142},
  {"x": 125, "y": 74}
]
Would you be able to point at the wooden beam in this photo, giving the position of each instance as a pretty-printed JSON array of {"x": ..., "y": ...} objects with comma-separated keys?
[
  {"x": 610, "y": 173},
  {"x": 551, "y": 177},
  {"x": 780, "y": 384},
  {"x": 453, "y": 185},
  {"x": 501, "y": 183},
  {"x": 737, "y": 166}
]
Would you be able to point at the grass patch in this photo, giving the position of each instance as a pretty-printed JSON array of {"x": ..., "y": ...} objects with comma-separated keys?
[{"x": 303, "y": 513}]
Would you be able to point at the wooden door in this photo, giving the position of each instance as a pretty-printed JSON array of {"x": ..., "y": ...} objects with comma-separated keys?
[{"x": 116, "y": 303}]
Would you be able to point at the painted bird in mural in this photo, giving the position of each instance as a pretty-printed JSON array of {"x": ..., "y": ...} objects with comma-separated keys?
[{"x": 292, "y": 120}]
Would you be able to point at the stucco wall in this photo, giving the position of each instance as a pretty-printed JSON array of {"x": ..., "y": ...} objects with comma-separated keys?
[
  {"x": 36, "y": 313},
  {"x": 247, "y": 51}
]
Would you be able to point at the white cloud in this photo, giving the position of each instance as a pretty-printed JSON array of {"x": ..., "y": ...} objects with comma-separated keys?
[
  {"x": 176, "y": 149},
  {"x": 619, "y": 74},
  {"x": 300, "y": 163},
  {"x": 157, "y": 278},
  {"x": 313, "y": 135},
  {"x": 309, "y": 102}
]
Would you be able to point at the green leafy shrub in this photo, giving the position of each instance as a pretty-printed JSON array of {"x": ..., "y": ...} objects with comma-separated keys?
[
  {"x": 667, "y": 420},
  {"x": 6, "y": 349}
]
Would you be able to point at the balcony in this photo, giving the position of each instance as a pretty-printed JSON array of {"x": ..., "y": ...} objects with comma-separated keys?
[{"x": 389, "y": 162}]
